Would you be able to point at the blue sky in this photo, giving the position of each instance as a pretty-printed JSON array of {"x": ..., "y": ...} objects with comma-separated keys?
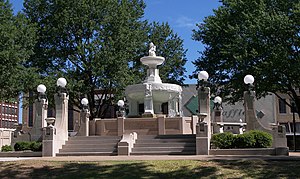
[{"x": 182, "y": 16}]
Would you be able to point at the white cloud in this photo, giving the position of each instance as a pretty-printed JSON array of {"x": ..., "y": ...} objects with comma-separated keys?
[{"x": 185, "y": 22}]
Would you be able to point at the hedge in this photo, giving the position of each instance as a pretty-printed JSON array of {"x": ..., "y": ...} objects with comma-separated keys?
[
  {"x": 251, "y": 139},
  {"x": 25, "y": 145},
  {"x": 6, "y": 148}
]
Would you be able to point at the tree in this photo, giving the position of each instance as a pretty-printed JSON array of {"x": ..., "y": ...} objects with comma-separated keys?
[
  {"x": 170, "y": 46},
  {"x": 258, "y": 37},
  {"x": 95, "y": 45},
  {"x": 17, "y": 38}
]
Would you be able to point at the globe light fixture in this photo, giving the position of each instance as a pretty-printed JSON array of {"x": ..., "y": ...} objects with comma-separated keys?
[
  {"x": 121, "y": 103},
  {"x": 203, "y": 75},
  {"x": 249, "y": 79},
  {"x": 61, "y": 82},
  {"x": 218, "y": 100},
  {"x": 84, "y": 101},
  {"x": 41, "y": 88},
  {"x": 217, "y": 103}
]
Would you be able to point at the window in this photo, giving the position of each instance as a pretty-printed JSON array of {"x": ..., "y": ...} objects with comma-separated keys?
[{"x": 282, "y": 106}]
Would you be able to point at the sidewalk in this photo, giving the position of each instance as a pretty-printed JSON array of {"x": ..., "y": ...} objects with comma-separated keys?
[{"x": 293, "y": 156}]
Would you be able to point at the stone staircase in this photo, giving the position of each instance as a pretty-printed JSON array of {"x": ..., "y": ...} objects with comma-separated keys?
[
  {"x": 90, "y": 145},
  {"x": 165, "y": 145}
]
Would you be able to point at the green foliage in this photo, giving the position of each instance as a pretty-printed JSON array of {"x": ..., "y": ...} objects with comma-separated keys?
[
  {"x": 245, "y": 140},
  {"x": 26, "y": 145},
  {"x": 96, "y": 45},
  {"x": 20, "y": 146},
  {"x": 262, "y": 139},
  {"x": 6, "y": 148},
  {"x": 36, "y": 146},
  {"x": 223, "y": 140},
  {"x": 258, "y": 37},
  {"x": 17, "y": 38},
  {"x": 251, "y": 139}
]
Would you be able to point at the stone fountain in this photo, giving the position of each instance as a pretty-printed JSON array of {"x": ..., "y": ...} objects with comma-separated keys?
[{"x": 154, "y": 97}]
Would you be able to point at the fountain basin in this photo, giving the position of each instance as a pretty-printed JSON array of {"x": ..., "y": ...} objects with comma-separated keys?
[
  {"x": 160, "y": 92},
  {"x": 152, "y": 61}
]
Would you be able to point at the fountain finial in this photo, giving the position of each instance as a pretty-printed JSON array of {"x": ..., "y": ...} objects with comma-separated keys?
[{"x": 152, "y": 49}]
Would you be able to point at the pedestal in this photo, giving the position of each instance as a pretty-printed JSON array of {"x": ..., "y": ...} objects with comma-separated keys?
[{"x": 202, "y": 139}]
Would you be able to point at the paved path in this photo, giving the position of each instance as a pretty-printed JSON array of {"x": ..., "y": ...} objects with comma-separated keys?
[
  {"x": 293, "y": 156},
  {"x": 5, "y": 159}
]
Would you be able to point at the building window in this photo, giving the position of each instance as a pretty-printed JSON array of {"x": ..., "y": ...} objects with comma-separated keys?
[{"x": 282, "y": 106}]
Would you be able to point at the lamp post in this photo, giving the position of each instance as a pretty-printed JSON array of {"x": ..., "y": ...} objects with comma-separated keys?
[
  {"x": 217, "y": 115},
  {"x": 61, "y": 85},
  {"x": 249, "y": 80},
  {"x": 294, "y": 125},
  {"x": 203, "y": 127},
  {"x": 121, "y": 111},
  {"x": 84, "y": 121},
  {"x": 84, "y": 103},
  {"x": 41, "y": 89},
  {"x": 249, "y": 98}
]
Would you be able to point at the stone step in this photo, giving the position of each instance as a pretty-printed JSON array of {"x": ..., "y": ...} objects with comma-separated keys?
[
  {"x": 165, "y": 140},
  {"x": 92, "y": 142},
  {"x": 75, "y": 146},
  {"x": 88, "y": 150},
  {"x": 164, "y": 153},
  {"x": 94, "y": 138},
  {"x": 170, "y": 136},
  {"x": 171, "y": 149},
  {"x": 180, "y": 144},
  {"x": 86, "y": 153}
]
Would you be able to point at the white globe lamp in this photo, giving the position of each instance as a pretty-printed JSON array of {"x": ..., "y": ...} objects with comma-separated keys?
[
  {"x": 248, "y": 79},
  {"x": 61, "y": 82},
  {"x": 120, "y": 103},
  {"x": 84, "y": 101},
  {"x": 203, "y": 75},
  {"x": 41, "y": 88},
  {"x": 218, "y": 100}
]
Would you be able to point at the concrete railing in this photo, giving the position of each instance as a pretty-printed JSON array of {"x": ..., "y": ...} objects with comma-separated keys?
[
  {"x": 126, "y": 144},
  {"x": 143, "y": 126}
]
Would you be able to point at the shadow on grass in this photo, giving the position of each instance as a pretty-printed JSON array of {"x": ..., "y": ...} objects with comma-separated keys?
[
  {"x": 262, "y": 168},
  {"x": 101, "y": 170}
]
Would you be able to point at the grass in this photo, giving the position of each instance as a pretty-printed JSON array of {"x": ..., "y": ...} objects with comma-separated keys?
[{"x": 151, "y": 169}]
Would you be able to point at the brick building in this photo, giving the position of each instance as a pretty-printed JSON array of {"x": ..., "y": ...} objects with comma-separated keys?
[{"x": 9, "y": 114}]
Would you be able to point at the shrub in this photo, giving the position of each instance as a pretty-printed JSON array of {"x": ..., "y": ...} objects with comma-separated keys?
[
  {"x": 251, "y": 139},
  {"x": 36, "y": 146},
  {"x": 262, "y": 139},
  {"x": 245, "y": 140},
  {"x": 25, "y": 145},
  {"x": 6, "y": 148},
  {"x": 223, "y": 140}
]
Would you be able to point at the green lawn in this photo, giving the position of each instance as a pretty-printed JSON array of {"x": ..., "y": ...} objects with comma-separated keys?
[{"x": 151, "y": 169}]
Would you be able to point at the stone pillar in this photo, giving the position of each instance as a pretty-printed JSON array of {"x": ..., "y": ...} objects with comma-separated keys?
[
  {"x": 202, "y": 139},
  {"x": 180, "y": 104},
  {"x": 148, "y": 100},
  {"x": 217, "y": 118},
  {"x": 49, "y": 144},
  {"x": 61, "y": 122},
  {"x": 161, "y": 125},
  {"x": 171, "y": 107},
  {"x": 203, "y": 128},
  {"x": 92, "y": 127},
  {"x": 120, "y": 125},
  {"x": 41, "y": 107},
  {"x": 250, "y": 114},
  {"x": 133, "y": 107},
  {"x": 84, "y": 123}
]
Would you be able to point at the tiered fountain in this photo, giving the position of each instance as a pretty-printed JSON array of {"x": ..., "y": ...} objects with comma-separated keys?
[{"x": 153, "y": 94}]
